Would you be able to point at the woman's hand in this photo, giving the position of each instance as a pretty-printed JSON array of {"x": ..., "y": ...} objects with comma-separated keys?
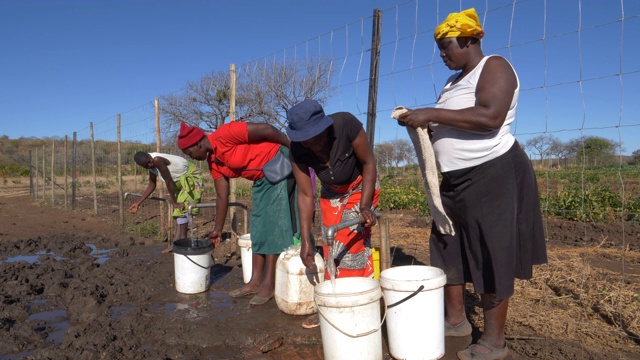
[
  {"x": 368, "y": 216},
  {"x": 134, "y": 208},
  {"x": 307, "y": 255},
  {"x": 415, "y": 118},
  {"x": 215, "y": 236}
]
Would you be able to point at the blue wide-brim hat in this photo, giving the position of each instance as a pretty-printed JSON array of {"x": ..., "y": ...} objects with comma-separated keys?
[{"x": 306, "y": 120}]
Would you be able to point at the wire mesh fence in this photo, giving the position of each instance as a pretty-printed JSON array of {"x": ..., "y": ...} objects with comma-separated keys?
[{"x": 562, "y": 78}]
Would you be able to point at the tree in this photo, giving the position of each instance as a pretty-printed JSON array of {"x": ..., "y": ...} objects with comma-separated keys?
[
  {"x": 264, "y": 93},
  {"x": 267, "y": 90},
  {"x": 540, "y": 145},
  {"x": 635, "y": 157},
  {"x": 383, "y": 153},
  {"x": 204, "y": 103},
  {"x": 403, "y": 152},
  {"x": 596, "y": 150},
  {"x": 558, "y": 149}
]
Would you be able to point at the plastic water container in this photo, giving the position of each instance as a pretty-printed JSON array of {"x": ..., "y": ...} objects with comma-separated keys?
[
  {"x": 192, "y": 264},
  {"x": 375, "y": 254},
  {"x": 415, "y": 311},
  {"x": 244, "y": 242},
  {"x": 295, "y": 283},
  {"x": 350, "y": 318}
]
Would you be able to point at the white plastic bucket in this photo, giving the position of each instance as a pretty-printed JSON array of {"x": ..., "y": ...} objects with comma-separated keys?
[
  {"x": 415, "y": 311},
  {"x": 244, "y": 242},
  {"x": 192, "y": 264},
  {"x": 350, "y": 318},
  {"x": 295, "y": 283}
]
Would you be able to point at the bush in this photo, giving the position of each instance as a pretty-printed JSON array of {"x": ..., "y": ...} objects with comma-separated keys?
[
  {"x": 146, "y": 229},
  {"x": 403, "y": 194},
  {"x": 14, "y": 169}
]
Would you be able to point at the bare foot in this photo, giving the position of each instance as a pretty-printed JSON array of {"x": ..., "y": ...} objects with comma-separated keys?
[{"x": 167, "y": 250}]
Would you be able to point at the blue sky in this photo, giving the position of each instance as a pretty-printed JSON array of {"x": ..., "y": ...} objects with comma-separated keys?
[{"x": 67, "y": 63}]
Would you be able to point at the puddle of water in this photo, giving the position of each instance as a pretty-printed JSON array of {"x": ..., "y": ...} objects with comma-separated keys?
[
  {"x": 32, "y": 259},
  {"x": 191, "y": 306},
  {"x": 100, "y": 255},
  {"x": 20, "y": 355},
  {"x": 220, "y": 300},
  {"x": 195, "y": 306},
  {"x": 118, "y": 311},
  {"x": 28, "y": 258},
  {"x": 56, "y": 320}
]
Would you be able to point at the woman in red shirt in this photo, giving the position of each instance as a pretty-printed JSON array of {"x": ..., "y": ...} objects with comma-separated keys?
[{"x": 240, "y": 150}]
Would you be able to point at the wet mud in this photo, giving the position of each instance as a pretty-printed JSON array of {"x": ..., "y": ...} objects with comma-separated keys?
[{"x": 74, "y": 287}]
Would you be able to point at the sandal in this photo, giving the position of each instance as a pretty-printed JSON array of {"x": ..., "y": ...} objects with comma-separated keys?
[
  {"x": 471, "y": 354},
  {"x": 462, "y": 329},
  {"x": 259, "y": 300},
  {"x": 311, "y": 322},
  {"x": 239, "y": 293}
]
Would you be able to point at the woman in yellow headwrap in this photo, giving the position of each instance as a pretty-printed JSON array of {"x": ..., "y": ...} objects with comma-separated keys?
[{"x": 488, "y": 186}]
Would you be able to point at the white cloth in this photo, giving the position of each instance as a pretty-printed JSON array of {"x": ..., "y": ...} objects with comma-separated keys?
[
  {"x": 178, "y": 166},
  {"x": 426, "y": 159},
  {"x": 458, "y": 149}
]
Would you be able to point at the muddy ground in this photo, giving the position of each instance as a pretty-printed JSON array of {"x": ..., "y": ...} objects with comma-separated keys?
[{"x": 76, "y": 287}]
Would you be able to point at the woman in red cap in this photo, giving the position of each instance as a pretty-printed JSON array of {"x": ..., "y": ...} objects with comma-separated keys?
[{"x": 240, "y": 150}]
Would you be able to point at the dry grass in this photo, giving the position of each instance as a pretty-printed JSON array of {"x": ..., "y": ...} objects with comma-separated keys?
[
  {"x": 570, "y": 298},
  {"x": 579, "y": 296}
]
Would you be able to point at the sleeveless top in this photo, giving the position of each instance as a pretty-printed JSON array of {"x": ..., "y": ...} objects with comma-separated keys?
[
  {"x": 177, "y": 168},
  {"x": 458, "y": 149}
]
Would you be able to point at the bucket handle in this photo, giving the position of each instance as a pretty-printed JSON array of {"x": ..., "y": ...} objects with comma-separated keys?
[
  {"x": 407, "y": 298},
  {"x": 213, "y": 262},
  {"x": 384, "y": 316}
]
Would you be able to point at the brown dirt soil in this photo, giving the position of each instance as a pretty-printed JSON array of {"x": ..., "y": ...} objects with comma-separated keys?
[{"x": 88, "y": 290}]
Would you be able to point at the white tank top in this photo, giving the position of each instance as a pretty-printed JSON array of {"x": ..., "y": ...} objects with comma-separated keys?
[
  {"x": 177, "y": 168},
  {"x": 458, "y": 149}
]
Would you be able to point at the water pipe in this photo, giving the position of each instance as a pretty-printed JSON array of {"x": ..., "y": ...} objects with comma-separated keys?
[
  {"x": 126, "y": 195},
  {"x": 213, "y": 204},
  {"x": 330, "y": 232}
]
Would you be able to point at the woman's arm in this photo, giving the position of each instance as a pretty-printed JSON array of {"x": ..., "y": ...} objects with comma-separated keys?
[
  {"x": 222, "y": 203},
  {"x": 364, "y": 153},
  {"x": 305, "y": 212},
  {"x": 261, "y": 132},
  {"x": 494, "y": 94},
  {"x": 150, "y": 188}
]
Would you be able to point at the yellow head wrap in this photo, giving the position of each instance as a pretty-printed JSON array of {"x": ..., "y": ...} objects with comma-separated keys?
[{"x": 465, "y": 24}]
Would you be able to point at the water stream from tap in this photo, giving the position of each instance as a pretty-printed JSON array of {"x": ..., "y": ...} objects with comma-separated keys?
[{"x": 331, "y": 269}]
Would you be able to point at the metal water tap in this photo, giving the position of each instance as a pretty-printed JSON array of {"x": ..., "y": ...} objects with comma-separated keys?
[{"x": 330, "y": 232}]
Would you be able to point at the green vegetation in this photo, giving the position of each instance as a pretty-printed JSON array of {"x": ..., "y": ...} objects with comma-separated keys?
[
  {"x": 14, "y": 169},
  {"x": 602, "y": 193},
  {"x": 146, "y": 229},
  {"x": 581, "y": 180},
  {"x": 402, "y": 193}
]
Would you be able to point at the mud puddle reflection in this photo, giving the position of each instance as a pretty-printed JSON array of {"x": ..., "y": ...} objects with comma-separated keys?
[
  {"x": 32, "y": 259},
  {"x": 100, "y": 255},
  {"x": 55, "y": 324}
]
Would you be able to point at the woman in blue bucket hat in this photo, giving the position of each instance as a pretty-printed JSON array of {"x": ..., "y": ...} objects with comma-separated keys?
[{"x": 336, "y": 147}]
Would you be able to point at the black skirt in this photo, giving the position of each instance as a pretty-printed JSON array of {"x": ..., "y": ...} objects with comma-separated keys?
[{"x": 495, "y": 209}]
